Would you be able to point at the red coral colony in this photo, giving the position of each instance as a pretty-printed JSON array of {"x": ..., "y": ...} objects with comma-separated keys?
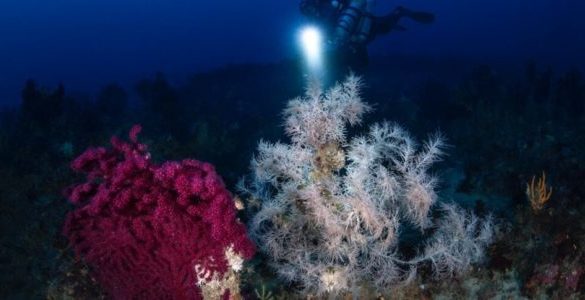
[{"x": 144, "y": 227}]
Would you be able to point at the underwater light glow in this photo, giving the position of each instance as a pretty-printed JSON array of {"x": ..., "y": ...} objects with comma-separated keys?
[{"x": 311, "y": 42}]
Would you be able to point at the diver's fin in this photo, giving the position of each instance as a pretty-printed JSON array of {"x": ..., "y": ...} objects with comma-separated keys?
[
  {"x": 421, "y": 17},
  {"x": 399, "y": 27}
]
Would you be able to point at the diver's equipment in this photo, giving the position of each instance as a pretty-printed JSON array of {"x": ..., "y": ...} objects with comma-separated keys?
[
  {"x": 311, "y": 42},
  {"x": 391, "y": 21},
  {"x": 348, "y": 20},
  {"x": 417, "y": 16},
  {"x": 364, "y": 30},
  {"x": 422, "y": 17}
]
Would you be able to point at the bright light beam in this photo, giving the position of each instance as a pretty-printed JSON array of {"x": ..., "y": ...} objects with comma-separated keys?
[{"x": 312, "y": 43}]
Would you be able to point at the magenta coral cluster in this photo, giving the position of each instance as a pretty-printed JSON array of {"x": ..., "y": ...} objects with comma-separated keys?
[{"x": 143, "y": 227}]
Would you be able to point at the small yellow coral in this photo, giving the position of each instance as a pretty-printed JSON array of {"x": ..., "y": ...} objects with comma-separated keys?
[{"x": 538, "y": 193}]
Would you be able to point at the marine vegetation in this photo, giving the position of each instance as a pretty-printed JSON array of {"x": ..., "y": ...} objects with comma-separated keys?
[
  {"x": 504, "y": 128},
  {"x": 155, "y": 231},
  {"x": 332, "y": 207}
]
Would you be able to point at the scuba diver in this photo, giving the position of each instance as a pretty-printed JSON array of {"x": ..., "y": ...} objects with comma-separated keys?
[{"x": 350, "y": 26}]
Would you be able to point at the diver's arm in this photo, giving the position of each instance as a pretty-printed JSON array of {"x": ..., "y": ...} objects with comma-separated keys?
[{"x": 348, "y": 20}]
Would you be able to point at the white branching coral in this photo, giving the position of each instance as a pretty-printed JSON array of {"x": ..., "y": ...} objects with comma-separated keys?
[{"x": 332, "y": 207}]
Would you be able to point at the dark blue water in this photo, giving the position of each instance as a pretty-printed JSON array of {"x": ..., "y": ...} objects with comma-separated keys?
[{"x": 87, "y": 45}]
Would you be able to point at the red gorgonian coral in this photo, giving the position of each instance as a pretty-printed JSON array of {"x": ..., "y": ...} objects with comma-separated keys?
[{"x": 144, "y": 227}]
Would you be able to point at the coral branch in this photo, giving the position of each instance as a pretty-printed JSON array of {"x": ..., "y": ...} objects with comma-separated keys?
[{"x": 331, "y": 206}]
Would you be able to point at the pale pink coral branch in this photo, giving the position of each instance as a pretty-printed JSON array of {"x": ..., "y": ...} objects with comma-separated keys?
[{"x": 332, "y": 205}]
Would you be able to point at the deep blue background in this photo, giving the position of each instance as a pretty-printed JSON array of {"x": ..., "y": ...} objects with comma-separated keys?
[{"x": 86, "y": 44}]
